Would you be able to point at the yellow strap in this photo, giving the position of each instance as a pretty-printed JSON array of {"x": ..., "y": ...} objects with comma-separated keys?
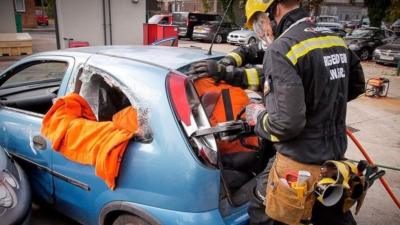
[
  {"x": 271, "y": 137},
  {"x": 236, "y": 57},
  {"x": 252, "y": 77},
  {"x": 304, "y": 47}
]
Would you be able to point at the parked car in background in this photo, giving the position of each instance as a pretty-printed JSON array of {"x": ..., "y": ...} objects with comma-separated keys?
[
  {"x": 169, "y": 172},
  {"x": 395, "y": 27},
  {"x": 353, "y": 24},
  {"x": 329, "y": 21},
  {"x": 186, "y": 21},
  {"x": 333, "y": 30},
  {"x": 206, "y": 31},
  {"x": 363, "y": 41},
  {"x": 41, "y": 18},
  {"x": 15, "y": 194},
  {"x": 242, "y": 37},
  {"x": 389, "y": 53},
  {"x": 160, "y": 19}
]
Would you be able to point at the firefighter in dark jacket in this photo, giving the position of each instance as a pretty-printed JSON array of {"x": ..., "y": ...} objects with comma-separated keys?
[{"x": 309, "y": 78}]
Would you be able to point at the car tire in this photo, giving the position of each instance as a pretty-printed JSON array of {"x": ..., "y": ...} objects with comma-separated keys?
[
  {"x": 252, "y": 40},
  {"x": 364, "y": 54},
  {"x": 128, "y": 219},
  {"x": 218, "y": 39}
]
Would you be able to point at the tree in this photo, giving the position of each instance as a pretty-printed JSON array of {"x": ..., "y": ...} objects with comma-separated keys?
[
  {"x": 394, "y": 11},
  {"x": 377, "y": 11},
  {"x": 206, "y": 5},
  {"x": 230, "y": 13}
]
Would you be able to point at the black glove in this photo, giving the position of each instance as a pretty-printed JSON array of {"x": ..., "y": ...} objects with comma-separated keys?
[{"x": 208, "y": 68}]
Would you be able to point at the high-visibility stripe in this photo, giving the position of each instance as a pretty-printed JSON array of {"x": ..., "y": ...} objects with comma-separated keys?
[
  {"x": 252, "y": 77},
  {"x": 271, "y": 137},
  {"x": 236, "y": 57},
  {"x": 304, "y": 47}
]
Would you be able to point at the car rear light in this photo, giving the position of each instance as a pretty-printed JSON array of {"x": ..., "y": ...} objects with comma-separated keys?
[
  {"x": 177, "y": 89},
  {"x": 190, "y": 113}
]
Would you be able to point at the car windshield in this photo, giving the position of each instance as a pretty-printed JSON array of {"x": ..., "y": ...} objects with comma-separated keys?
[
  {"x": 361, "y": 33},
  {"x": 180, "y": 17},
  {"x": 155, "y": 19}
]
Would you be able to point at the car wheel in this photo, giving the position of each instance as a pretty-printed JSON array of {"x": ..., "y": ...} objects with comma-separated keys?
[
  {"x": 218, "y": 39},
  {"x": 364, "y": 54},
  {"x": 127, "y": 219},
  {"x": 252, "y": 41}
]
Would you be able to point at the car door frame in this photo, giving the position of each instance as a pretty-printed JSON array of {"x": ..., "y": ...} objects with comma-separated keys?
[{"x": 40, "y": 160}]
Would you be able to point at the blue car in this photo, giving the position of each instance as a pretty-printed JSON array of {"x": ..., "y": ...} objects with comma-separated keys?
[{"x": 167, "y": 176}]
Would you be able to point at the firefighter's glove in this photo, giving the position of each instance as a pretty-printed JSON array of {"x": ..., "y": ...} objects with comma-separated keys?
[
  {"x": 208, "y": 68},
  {"x": 253, "y": 110}
]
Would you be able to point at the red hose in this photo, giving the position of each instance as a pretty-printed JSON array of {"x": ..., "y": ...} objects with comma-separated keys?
[{"x": 383, "y": 181}]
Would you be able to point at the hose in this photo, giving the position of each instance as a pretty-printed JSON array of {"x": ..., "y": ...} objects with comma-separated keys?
[{"x": 382, "y": 179}]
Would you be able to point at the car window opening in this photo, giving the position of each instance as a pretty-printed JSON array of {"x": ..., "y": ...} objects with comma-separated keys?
[
  {"x": 105, "y": 100},
  {"x": 33, "y": 86}
]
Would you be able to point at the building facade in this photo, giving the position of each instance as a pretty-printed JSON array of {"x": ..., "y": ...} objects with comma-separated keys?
[
  {"x": 118, "y": 22},
  {"x": 344, "y": 9}
]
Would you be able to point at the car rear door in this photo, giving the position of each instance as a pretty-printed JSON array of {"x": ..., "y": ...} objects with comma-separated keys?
[{"x": 20, "y": 126}]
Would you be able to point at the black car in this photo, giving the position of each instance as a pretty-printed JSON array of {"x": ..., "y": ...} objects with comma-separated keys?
[
  {"x": 389, "y": 53},
  {"x": 186, "y": 21},
  {"x": 15, "y": 194},
  {"x": 363, "y": 41},
  {"x": 206, "y": 31}
]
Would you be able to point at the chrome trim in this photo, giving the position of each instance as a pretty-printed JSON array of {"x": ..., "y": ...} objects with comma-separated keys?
[
  {"x": 70, "y": 180},
  {"x": 29, "y": 113}
]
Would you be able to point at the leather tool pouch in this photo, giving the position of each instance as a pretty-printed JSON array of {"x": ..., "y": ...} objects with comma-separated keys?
[{"x": 282, "y": 202}]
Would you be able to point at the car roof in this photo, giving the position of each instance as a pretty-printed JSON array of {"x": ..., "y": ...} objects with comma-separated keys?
[{"x": 161, "y": 56}]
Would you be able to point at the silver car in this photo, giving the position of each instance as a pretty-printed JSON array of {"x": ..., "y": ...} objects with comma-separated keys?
[{"x": 242, "y": 37}]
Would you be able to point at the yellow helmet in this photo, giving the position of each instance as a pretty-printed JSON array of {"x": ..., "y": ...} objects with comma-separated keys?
[{"x": 254, "y": 6}]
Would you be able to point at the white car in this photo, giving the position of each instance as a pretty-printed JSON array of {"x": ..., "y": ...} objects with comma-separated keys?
[
  {"x": 242, "y": 37},
  {"x": 329, "y": 22}
]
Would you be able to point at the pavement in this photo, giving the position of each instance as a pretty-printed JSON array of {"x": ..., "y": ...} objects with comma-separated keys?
[{"x": 376, "y": 122}]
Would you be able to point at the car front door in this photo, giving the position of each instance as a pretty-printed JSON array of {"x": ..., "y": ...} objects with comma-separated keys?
[{"x": 26, "y": 92}]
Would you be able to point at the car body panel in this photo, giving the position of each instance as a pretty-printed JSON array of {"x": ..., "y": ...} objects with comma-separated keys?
[
  {"x": 206, "y": 31},
  {"x": 163, "y": 177}
]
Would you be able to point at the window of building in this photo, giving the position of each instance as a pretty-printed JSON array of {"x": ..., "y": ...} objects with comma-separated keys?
[{"x": 19, "y": 5}]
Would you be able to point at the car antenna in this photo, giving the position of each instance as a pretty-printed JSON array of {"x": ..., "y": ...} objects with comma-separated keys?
[{"x": 219, "y": 26}]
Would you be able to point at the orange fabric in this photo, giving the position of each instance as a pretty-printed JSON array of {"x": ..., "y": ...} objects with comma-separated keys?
[
  {"x": 239, "y": 101},
  {"x": 72, "y": 127}
]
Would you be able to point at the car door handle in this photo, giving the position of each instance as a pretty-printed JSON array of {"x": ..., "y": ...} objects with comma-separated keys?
[{"x": 39, "y": 142}]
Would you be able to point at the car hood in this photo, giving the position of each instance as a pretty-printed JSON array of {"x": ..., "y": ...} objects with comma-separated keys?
[
  {"x": 243, "y": 33},
  {"x": 392, "y": 47},
  {"x": 329, "y": 24}
]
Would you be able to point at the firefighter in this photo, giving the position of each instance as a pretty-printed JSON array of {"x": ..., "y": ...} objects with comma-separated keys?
[{"x": 309, "y": 79}]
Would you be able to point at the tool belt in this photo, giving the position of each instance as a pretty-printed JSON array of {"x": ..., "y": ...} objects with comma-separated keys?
[{"x": 283, "y": 203}]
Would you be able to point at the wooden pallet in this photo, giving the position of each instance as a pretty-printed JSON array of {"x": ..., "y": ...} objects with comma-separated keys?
[{"x": 14, "y": 44}]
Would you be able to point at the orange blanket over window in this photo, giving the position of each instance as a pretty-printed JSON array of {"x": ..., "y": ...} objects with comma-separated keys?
[{"x": 72, "y": 127}]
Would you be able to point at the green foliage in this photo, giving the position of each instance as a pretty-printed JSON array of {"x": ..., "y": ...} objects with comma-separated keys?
[
  {"x": 230, "y": 13},
  {"x": 377, "y": 11},
  {"x": 206, "y": 5},
  {"x": 394, "y": 11},
  {"x": 50, "y": 8}
]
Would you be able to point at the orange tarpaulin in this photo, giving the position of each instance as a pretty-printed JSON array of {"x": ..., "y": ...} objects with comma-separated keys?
[
  {"x": 239, "y": 101},
  {"x": 72, "y": 127}
]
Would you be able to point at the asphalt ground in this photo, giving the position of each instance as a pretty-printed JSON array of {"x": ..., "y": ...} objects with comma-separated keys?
[{"x": 376, "y": 122}]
